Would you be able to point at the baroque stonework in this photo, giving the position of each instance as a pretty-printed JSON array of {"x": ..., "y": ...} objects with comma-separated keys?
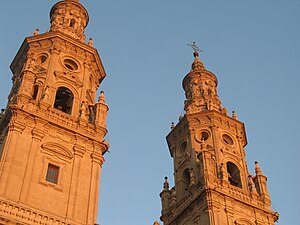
[
  {"x": 52, "y": 133},
  {"x": 212, "y": 181}
]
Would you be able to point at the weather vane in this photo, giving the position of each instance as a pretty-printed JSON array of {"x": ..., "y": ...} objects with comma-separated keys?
[{"x": 195, "y": 47}]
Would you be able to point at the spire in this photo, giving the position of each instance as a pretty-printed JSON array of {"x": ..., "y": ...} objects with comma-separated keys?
[
  {"x": 69, "y": 17},
  {"x": 257, "y": 169},
  {"x": 166, "y": 184},
  {"x": 165, "y": 196},
  {"x": 101, "y": 98},
  {"x": 261, "y": 183}
]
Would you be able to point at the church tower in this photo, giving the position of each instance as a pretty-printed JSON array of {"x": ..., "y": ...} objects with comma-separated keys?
[
  {"x": 52, "y": 130},
  {"x": 212, "y": 182}
]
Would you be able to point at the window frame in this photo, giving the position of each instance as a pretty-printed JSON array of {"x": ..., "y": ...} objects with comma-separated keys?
[
  {"x": 42, "y": 180},
  {"x": 52, "y": 174}
]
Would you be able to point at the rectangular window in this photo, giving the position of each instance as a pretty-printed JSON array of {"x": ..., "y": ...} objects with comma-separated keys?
[{"x": 52, "y": 173}]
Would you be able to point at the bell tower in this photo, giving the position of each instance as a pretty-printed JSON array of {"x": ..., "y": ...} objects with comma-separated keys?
[
  {"x": 52, "y": 132},
  {"x": 212, "y": 183}
]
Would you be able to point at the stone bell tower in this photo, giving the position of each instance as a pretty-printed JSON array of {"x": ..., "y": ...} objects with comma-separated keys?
[
  {"x": 52, "y": 130},
  {"x": 212, "y": 182}
]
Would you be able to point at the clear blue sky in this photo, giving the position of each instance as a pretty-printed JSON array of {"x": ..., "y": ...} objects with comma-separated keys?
[{"x": 253, "y": 47}]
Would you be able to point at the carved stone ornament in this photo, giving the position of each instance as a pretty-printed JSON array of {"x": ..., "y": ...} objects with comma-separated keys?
[
  {"x": 57, "y": 150},
  {"x": 71, "y": 77},
  {"x": 243, "y": 222}
]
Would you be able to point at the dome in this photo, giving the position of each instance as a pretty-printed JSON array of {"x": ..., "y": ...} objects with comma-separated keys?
[{"x": 69, "y": 17}]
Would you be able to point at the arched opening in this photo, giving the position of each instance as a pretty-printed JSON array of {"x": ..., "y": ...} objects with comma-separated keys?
[
  {"x": 185, "y": 182},
  {"x": 92, "y": 114},
  {"x": 182, "y": 147},
  {"x": 204, "y": 135},
  {"x": 72, "y": 23},
  {"x": 64, "y": 100},
  {"x": 35, "y": 91},
  {"x": 234, "y": 176}
]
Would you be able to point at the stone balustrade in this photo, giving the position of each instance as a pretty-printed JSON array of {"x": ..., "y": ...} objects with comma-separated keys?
[{"x": 17, "y": 214}]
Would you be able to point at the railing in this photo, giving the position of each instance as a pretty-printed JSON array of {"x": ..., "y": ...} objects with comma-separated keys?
[
  {"x": 13, "y": 212},
  {"x": 63, "y": 119},
  {"x": 240, "y": 194}
]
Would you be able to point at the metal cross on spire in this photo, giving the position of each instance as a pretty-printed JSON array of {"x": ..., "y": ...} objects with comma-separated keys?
[{"x": 195, "y": 48}]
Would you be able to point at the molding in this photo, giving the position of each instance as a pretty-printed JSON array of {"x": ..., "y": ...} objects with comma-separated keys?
[
  {"x": 13, "y": 212},
  {"x": 58, "y": 150}
]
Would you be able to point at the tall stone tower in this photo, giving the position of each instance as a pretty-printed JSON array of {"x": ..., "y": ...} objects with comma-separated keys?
[
  {"x": 52, "y": 130},
  {"x": 212, "y": 182}
]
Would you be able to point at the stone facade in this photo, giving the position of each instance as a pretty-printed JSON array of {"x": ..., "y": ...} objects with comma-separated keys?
[
  {"x": 212, "y": 183},
  {"x": 52, "y": 130},
  {"x": 52, "y": 140}
]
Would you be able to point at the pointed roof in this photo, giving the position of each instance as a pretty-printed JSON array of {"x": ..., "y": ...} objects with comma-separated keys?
[{"x": 197, "y": 64}]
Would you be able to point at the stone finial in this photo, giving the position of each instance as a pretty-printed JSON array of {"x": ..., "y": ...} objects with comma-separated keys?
[
  {"x": 172, "y": 125},
  {"x": 234, "y": 116},
  {"x": 36, "y": 32},
  {"x": 257, "y": 169},
  {"x": 2, "y": 113},
  {"x": 197, "y": 65},
  {"x": 166, "y": 184},
  {"x": 90, "y": 43},
  {"x": 101, "y": 98},
  {"x": 173, "y": 196}
]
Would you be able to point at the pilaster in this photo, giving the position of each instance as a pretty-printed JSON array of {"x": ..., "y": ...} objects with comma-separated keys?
[
  {"x": 37, "y": 136},
  {"x": 79, "y": 151},
  {"x": 97, "y": 162},
  {"x": 15, "y": 129}
]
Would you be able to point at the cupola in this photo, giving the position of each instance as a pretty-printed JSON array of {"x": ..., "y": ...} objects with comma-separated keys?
[{"x": 69, "y": 17}]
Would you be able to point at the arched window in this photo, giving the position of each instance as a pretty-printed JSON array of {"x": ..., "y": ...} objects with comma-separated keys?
[
  {"x": 234, "y": 176},
  {"x": 72, "y": 23},
  {"x": 64, "y": 100}
]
